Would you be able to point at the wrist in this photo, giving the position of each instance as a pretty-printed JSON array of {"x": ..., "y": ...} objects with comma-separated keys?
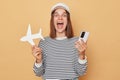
[
  {"x": 38, "y": 61},
  {"x": 82, "y": 56}
]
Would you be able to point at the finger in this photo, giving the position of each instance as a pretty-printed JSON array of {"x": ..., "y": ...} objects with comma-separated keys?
[
  {"x": 81, "y": 47},
  {"x": 32, "y": 47},
  {"x": 36, "y": 54},
  {"x": 76, "y": 42},
  {"x": 83, "y": 41},
  {"x": 40, "y": 51},
  {"x": 37, "y": 51},
  {"x": 76, "y": 46},
  {"x": 84, "y": 44},
  {"x": 36, "y": 48},
  {"x": 80, "y": 44}
]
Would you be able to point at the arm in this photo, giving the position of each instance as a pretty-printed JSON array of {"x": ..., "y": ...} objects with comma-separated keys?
[
  {"x": 38, "y": 69},
  {"x": 81, "y": 66},
  {"x": 38, "y": 53}
]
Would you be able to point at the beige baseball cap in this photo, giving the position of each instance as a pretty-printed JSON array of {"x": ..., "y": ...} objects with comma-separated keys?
[{"x": 60, "y": 5}]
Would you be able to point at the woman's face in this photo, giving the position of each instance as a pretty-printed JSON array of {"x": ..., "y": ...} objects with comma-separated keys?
[{"x": 60, "y": 20}]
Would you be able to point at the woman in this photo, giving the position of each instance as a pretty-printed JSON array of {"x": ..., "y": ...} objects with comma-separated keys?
[{"x": 60, "y": 56}]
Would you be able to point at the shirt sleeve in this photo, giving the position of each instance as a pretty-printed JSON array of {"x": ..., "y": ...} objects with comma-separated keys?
[
  {"x": 82, "y": 61},
  {"x": 81, "y": 66},
  {"x": 38, "y": 64},
  {"x": 38, "y": 69}
]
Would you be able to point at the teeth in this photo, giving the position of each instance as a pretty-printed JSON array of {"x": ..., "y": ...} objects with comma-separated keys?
[{"x": 59, "y": 23}]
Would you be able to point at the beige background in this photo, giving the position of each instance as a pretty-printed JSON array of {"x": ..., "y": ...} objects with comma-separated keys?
[{"x": 100, "y": 17}]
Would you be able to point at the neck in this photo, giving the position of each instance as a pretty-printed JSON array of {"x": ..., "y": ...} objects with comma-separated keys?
[{"x": 61, "y": 34}]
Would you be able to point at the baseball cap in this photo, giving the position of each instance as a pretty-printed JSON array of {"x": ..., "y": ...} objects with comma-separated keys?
[{"x": 60, "y": 5}]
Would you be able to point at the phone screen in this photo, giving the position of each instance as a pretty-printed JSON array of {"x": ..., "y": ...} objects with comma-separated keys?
[{"x": 82, "y": 35}]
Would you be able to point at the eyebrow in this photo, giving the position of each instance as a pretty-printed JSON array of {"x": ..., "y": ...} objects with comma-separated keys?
[{"x": 57, "y": 13}]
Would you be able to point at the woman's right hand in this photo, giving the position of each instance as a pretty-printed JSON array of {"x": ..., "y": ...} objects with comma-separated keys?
[{"x": 37, "y": 53}]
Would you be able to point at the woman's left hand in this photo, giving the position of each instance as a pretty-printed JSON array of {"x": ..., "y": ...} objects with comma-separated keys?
[{"x": 81, "y": 46}]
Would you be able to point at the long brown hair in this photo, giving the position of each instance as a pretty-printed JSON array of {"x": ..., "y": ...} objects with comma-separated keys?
[{"x": 68, "y": 31}]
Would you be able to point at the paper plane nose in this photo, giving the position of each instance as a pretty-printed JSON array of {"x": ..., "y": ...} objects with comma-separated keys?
[{"x": 22, "y": 39}]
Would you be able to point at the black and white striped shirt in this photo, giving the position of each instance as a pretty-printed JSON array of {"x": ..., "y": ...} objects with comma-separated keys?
[{"x": 60, "y": 59}]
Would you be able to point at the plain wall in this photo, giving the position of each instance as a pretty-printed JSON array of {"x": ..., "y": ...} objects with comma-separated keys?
[{"x": 100, "y": 17}]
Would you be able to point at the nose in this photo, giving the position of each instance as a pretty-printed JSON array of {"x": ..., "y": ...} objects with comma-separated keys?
[{"x": 60, "y": 18}]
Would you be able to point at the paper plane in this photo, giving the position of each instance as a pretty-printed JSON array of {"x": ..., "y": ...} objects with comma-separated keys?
[{"x": 29, "y": 36}]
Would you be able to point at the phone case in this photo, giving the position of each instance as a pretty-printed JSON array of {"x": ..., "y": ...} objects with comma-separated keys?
[{"x": 84, "y": 35}]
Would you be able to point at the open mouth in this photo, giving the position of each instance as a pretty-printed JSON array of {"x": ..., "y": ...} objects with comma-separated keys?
[{"x": 60, "y": 23}]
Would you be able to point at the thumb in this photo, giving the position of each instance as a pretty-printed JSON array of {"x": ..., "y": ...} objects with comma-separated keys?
[{"x": 33, "y": 46}]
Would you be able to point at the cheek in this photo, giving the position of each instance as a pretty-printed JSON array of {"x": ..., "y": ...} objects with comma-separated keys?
[
  {"x": 54, "y": 21},
  {"x": 65, "y": 22}
]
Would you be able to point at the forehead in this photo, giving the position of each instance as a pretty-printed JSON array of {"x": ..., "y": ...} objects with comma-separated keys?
[{"x": 60, "y": 10}]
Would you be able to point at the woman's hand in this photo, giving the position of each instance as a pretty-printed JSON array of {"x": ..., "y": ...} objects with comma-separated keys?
[
  {"x": 81, "y": 46},
  {"x": 37, "y": 53}
]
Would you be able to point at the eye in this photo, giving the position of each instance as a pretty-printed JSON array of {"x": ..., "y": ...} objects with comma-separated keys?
[
  {"x": 64, "y": 15},
  {"x": 56, "y": 15}
]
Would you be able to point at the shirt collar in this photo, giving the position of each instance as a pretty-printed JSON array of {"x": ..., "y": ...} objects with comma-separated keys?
[{"x": 60, "y": 38}]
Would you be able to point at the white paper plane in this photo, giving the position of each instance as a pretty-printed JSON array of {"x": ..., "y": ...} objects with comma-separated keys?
[{"x": 29, "y": 36}]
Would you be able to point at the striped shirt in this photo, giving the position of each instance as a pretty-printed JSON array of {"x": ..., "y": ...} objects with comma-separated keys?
[{"x": 60, "y": 59}]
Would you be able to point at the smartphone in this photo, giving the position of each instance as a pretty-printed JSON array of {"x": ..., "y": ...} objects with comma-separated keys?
[{"x": 84, "y": 36}]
